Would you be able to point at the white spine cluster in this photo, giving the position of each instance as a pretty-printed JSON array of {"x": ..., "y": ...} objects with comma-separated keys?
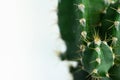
[
  {"x": 97, "y": 49},
  {"x": 82, "y": 21},
  {"x": 107, "y": 75},
  {"x": 81, "y": 7},
  {"x": 117, "y": 23},
  {"x": 114, "y": 39},
  {"x": 88, "y": 43},
  {"x": 95, "y": 71},
  {"x": 105, "y": 42},
  {"x": 98, "y": 60},
  {"x": 84, "y": 34},
  {"x": 82, "y": 48},
  {"x": 109, "y": 1},
  {"x": 118, "y": 10},
  {"x": 110, "y": 48},
  {"x": 97, "y": 41}
]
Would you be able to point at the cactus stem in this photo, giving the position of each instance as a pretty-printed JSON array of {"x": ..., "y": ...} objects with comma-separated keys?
[
  {"x": 82, "y": 21},
  {"x": 89, "y": 41}
]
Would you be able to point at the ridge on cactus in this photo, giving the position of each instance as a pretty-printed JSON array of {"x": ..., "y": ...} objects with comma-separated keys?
[{"x": 91, "y": 31}]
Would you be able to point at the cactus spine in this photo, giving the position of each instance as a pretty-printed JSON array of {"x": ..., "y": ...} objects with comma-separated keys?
[{"x": 91, "y": 30}]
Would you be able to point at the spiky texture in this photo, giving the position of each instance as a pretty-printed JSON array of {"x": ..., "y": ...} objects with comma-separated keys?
[{"x": 91, "y": 30}]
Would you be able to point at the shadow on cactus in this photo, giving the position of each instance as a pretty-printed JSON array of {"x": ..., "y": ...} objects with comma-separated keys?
[{"x": 91, "y": 31}]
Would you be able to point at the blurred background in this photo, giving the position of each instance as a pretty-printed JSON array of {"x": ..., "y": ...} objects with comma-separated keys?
[{"x": 30, "y": 41}]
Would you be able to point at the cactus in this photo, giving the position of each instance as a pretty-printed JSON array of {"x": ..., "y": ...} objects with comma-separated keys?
[{"x": 91, "y": 31}]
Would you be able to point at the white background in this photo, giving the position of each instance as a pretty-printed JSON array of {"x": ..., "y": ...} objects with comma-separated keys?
[{"x": 29, "y": 38}]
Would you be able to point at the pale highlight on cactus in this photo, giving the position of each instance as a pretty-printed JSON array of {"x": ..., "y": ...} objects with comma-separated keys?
[{"x": 91, "y": 31}]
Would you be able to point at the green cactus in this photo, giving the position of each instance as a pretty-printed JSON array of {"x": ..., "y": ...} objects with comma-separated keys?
[{"x": 91, "y": 31}]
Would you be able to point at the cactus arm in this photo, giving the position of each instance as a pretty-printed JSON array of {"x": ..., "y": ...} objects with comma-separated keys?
[
  {"x": 68, "y": 27},
  {"x": 115, "y": 70},
  {"x": 116, "y": 39},
  {"x": 97, "y": 61}
]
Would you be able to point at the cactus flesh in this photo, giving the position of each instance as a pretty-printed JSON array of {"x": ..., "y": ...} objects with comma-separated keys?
[{"x": 91, "y": 31}]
